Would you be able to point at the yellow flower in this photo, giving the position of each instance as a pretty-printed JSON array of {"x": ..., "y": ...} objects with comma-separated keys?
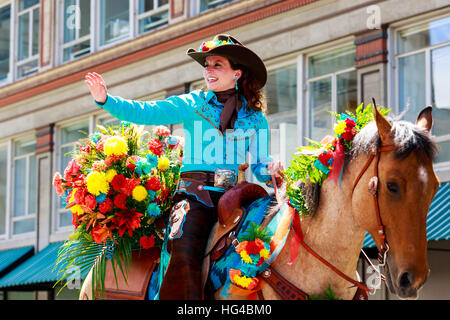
[
  {"x": 96, "y": 183},
  {"x": 264, "y": 253},
  {"x": 116, "y": 146},
  {"x": 76, "y": 208},
  {"x": 339, "y": 128},
  {"x": 110, "y": 174},
  {"x": 243, "y": 281},
  {"x": 139, "y": 193},
  {"x": 245, "y": 257},
  {"x": 163, "y": 163}
]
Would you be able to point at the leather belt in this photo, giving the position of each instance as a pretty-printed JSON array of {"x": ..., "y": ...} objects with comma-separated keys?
[{"x": 206, "y": 177}]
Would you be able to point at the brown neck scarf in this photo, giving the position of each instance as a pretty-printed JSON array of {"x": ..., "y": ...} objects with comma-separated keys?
[{"x": 231, "y": 106}]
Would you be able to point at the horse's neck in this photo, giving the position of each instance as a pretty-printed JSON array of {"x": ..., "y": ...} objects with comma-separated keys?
[{"x": 334, "y": 235}]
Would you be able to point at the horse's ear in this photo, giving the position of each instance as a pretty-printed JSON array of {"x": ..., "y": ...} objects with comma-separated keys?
[
  {"x": 425, "y": 119},
  {"x": 383, "y": 125}
]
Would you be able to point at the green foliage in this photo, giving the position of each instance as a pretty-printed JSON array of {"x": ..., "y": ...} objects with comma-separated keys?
[
  {"x": 327, "y": 295},
  {"x": 253, "y": 232},
  {"x": 302, "y": 166}
]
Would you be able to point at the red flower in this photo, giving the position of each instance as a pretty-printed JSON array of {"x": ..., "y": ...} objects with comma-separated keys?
[
  {"x": 131, "y": 162},
  {"x": 147, "y": 242},
  {"x": 106, "y": 206},
  {"x": 254, "y": 247},
  {"x": 348, "y": 134},
  {"x": 127, "y": 221},
  {"x": 325, "y": 157},
  {"x": 129, "y": 185},
  {"x": 155, "y": 146},
  {"x": 75, "y": 221},
  {"x": 80, "y": 196},
  {"x": 100, "y": 233},
  {"x": 120, "y": 201},
  {"x": 118, "y": 182},
  {"x": 91, "y": 202},
  {"x": 161, "y": 131},
  {"x": 153, "y": 184},
  {"x": 350, "y": 123},
  {"x": 111, "y": 159},
  {"x": 57, "y": 183},
  {"x": 72, "y": 169}
]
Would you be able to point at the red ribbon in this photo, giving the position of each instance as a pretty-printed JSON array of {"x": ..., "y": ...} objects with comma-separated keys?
[
  {"x": 338, "y": 162},
  {"x": 297, "y": 238}
]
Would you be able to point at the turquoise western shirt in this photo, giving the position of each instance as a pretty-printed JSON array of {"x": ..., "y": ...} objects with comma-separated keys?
[{"x": 206, "y": 148}]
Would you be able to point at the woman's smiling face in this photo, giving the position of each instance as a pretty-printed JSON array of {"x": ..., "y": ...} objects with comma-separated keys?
[{"x": 218, "y": 74}]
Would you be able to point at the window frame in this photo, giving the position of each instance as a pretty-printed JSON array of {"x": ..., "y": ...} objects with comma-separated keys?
[
  {"x": 15, "y": 38},
  {"x": 27, "y": 215},
  {"x": 10, "y": 77},
  {"x": 307, "y": 89},
  {"x": 60, "y": 33},
  {"x": 57, "y": 156},
  {"x": 290, "y": 60},
  {"x": 427, "y": 52},
  {"x": 9, "y": 171},
  {"x": 146, "y": 14}
]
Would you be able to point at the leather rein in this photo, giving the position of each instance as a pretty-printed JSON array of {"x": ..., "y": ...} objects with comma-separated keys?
[{"x": 288, "y": 291}]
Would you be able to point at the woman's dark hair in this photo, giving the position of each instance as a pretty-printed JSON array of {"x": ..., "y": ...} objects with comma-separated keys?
[{"x": 250, "y": 87}]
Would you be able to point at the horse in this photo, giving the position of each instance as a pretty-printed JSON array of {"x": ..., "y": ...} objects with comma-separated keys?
[{"x": 387, "y": 187}]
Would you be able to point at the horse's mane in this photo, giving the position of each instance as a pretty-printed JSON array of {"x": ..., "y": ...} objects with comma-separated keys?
[{"x": 407, "y": 138}]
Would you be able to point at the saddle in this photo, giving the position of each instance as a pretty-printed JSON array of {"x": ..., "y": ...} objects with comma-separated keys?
[
  {"x": 136, "y": 284},
  {"x": 231, "y": 213}
]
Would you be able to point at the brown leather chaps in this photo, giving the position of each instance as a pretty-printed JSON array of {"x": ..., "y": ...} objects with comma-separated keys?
[{"x": 191, "y": 223}]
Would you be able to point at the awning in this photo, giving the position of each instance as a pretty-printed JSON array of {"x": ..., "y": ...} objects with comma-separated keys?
[
  {"x": 37, "y": 269},
  {"x": 438, "y": 219},
  {"x": 9, "y": 259}
]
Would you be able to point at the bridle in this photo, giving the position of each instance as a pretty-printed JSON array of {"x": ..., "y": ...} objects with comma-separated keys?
[
  {"x": 373, "y": 189},
  {"x": 298, "y": 234}
]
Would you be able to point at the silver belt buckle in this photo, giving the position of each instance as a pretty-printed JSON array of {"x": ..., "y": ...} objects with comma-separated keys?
[{"x": 224, "y": 178}]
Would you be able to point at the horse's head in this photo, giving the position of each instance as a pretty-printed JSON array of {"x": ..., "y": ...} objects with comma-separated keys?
[{"x": 405, "y": 189}]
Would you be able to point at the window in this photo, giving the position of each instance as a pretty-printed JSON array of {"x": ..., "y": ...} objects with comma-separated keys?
[
  {"x": 152, "y": 14},
  {"x": 68, "y": 136},
  {"x": 3, "y": 187},
  {"x": 211, "y": 4},
  {"x": 114, "y": 20},
  {"x": 76, "y": 29},
  {"x": 423, "y": 59},
  {"x": 281, "y": 94},
  {"x": 5, "y": 35},
  {"x": 28, "y": 24},
  {"x": 24, "y": 197},
  {"x": 332, "y": 86}
]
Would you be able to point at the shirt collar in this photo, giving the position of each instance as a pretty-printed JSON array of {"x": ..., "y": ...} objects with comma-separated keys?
[{"x": 211, "y": 97}]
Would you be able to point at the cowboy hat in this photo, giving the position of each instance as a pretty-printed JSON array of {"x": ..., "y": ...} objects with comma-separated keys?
[{"x": 227, "y": 46}]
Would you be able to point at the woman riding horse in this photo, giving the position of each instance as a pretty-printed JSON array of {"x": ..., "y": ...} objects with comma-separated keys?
[{"x": 231, "y": 111}]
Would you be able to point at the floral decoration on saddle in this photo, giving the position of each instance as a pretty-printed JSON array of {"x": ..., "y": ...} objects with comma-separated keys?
[{"x": 254, "y": 249}]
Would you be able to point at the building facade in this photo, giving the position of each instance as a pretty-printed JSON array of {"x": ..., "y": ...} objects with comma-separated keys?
[{"x": 320, "y": 54}]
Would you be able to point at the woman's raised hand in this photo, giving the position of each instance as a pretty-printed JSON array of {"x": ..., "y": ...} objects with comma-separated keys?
[{"x": 97, "y": 86}]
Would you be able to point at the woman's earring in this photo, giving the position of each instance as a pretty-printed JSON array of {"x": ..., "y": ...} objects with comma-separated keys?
[{"x": 235, "y": 82}]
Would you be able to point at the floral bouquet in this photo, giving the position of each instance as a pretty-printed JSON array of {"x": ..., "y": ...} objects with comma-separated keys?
[{"x": 118, "y": 185}]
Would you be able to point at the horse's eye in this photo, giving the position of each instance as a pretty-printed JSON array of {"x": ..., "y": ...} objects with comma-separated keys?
[{"x": 393, "y": 187}]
